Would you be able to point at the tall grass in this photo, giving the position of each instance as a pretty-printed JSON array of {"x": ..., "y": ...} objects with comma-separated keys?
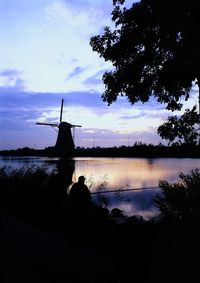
[{"x": 33, "y": 193}]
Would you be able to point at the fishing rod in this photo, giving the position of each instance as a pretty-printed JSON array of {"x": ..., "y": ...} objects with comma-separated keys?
[{"x": 125, "y": 190}]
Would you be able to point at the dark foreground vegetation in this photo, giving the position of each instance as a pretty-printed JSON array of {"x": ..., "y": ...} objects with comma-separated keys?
[
  {"x": 42, "y": 234},
  {"x": 139, "y": 149}
]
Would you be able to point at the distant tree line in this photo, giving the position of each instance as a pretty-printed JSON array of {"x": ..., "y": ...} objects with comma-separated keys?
[{"x": 138, "y": 149}]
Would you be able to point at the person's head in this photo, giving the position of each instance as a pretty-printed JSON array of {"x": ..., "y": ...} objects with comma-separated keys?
[{"x": 81, "y": 179}]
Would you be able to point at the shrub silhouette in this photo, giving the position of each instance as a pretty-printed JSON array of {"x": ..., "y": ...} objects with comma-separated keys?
[
  {"x": 180, "y": 201},
  {"x": 32, "y": 191}
]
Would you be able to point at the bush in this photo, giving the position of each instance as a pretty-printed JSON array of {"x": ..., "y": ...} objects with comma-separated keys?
[
  {"x": 31, "y": 190},
  {"x": 180, "y": 201}
]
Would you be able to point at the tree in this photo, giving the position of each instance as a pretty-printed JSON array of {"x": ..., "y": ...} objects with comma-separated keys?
[
  {"x": 155, "y": 52},
  {"x": 184, "y": 129}
]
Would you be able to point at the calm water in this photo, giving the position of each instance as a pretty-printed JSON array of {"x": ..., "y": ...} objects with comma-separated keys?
[{"x": 118, "y": 173}]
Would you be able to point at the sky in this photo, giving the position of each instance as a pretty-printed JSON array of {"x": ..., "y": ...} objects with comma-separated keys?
[{"x": 45, "y": 56}]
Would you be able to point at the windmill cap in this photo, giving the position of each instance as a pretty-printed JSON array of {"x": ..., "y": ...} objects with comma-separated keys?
[{"x": 81, "y": 178}]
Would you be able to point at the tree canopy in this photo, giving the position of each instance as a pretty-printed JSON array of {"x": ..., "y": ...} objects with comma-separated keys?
[{"x": 155, "y": 51}]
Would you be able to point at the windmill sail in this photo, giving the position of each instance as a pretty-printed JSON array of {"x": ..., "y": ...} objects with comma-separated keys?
[{"x": 61, "y": 110}]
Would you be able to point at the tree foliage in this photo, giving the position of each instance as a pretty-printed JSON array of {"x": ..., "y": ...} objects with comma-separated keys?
[
  {"x": 183, "y": 129},
  {"x": 155, "y": 51}
]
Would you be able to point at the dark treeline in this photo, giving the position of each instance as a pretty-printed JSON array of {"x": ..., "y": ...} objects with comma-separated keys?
[
  {"x": 139, "y": 149},
  {"x": 142, "y": 150}
]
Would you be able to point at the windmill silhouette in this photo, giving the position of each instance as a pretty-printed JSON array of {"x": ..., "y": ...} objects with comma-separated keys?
[{"x": 65, "y": 141}]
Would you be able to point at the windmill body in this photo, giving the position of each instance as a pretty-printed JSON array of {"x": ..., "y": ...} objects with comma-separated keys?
[{"x": 65, "y": 142}]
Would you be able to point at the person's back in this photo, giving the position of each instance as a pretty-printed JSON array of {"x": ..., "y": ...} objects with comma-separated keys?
[{"x": 80, "y": 195}]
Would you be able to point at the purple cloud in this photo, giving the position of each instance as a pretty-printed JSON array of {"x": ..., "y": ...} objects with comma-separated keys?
[
  {"x": 76, "y": 71},
  {"x": 95, "y": 79},
  {"x": 9, "y": 73}
]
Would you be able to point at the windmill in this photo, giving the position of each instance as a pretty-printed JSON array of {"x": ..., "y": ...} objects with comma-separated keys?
[{"x": 65, "y": 141}]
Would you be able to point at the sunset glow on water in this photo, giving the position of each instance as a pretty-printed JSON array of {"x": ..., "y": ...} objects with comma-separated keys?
[{"x": 113, "y": 174}]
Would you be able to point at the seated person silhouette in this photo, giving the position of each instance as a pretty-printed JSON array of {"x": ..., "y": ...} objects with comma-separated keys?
[{"x": 80, "y": 195}]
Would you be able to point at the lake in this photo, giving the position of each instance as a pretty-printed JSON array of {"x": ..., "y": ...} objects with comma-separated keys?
[{"x": 141, "y": 174}]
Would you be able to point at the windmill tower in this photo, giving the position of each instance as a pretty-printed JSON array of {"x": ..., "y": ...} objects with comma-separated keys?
[{"x": 65, "y": 141}]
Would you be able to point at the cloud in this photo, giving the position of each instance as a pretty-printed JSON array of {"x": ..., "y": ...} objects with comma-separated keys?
[
  {"x": 101, "y": 7},
  {"x": 121, "y": 112},
  {"x": 86, "y": 18},
  {"x": 79, "y": 4},
  {"x": 20, "y": 110},
  {"x": 89, "y": 137},
  {"x": 10, "y": 78},
  {"x": 76, "y": 71},
  {"x": 47, "y": 58},
  {"x": 95, "y": 79},
  {"x": 9, "y": 73},
  {"x": 13, "y": 95},
  {"x": 131, "y": 117}
]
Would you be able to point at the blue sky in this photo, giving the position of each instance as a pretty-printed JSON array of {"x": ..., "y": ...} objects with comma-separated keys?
[{"x": 45, "y": 56}]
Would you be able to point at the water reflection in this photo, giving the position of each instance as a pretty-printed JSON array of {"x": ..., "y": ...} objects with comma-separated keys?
[
  {"x": 132, "y": 172},
  {"x": 139, "y": 202},
  {"x": 115, "y": 173},
  {"x": 65, "y": 170}
]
